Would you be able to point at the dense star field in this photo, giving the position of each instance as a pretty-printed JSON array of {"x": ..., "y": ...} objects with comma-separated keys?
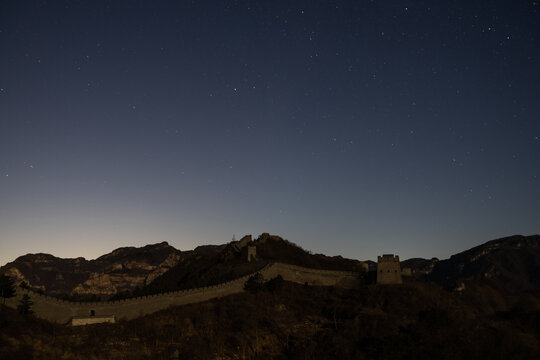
[{"x": 348, "y": 127}]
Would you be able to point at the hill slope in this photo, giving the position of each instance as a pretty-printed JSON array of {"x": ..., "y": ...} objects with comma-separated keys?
[
  {"x": 230, "y": 262},
  {"x": 512, "y": 263},
  {"x": 418, "y": 320}
]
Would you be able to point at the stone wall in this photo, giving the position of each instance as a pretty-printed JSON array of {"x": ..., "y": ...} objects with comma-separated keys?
[
  {"x": 309, "y": 276},
  {"x": 61, "y": 311},
  {"x": 86, "y": 320}
]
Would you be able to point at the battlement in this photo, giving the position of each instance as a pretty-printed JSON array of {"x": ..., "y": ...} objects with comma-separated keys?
[{"x": 388, "y": 258}]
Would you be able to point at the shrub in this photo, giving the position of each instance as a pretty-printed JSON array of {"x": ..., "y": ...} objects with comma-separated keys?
[
  {"x": 25, "y": 305},
  {"x": 254, "y": 283},
  {"x": 274, "y": 284},
  {"x": 7, "y": 288}
]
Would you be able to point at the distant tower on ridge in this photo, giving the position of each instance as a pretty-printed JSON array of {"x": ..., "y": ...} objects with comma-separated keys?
[
  {"x": 388, "y": 269},
  {"x": 251, "y": 253}
]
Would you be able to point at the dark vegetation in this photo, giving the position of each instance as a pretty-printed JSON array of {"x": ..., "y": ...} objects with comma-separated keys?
[
  {"x": 418, "y": 320},
  {"x": 25, "y": 306},
  {"x": 256, "y": 283},
  {"x": 7, "y": 287},
  {"x": 419, "y": 265}
]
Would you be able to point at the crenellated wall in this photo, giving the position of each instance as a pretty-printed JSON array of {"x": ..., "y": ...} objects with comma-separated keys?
[
  {"x": 315, "y": 277},
  {"x": 61, "y": 311}
]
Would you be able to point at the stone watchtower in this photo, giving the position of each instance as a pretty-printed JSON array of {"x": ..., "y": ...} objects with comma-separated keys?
[
  {"x": 388, "y": 270},
  {"x": 251, "y": 252}
]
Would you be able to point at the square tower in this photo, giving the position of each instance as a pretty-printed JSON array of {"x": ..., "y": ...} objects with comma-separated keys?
[
  {"x": 388, "y": 269},
  {"x": 251, "y": 252}
]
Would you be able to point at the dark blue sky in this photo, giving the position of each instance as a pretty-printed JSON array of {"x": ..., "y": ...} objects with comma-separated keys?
[{"x": 348, "y": 127}]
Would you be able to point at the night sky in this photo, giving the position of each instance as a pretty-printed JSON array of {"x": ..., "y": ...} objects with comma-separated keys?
[{"x": 348, "y": 127}]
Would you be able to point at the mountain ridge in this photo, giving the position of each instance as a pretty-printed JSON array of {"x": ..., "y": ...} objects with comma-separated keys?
[
  {"x": 510, "y": 261},
  {"x": 106, "y": 275},
  {"x": 132, "y": 271}
]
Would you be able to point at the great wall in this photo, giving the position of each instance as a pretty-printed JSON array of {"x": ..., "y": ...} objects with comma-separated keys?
[{"x": 60, "y": 311}]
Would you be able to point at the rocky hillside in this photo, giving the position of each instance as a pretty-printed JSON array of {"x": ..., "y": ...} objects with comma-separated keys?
[
  {"x": 205, "y": 266},
  {"x": 122, "y": 270},
  {"x": 219, "y": 264},
  {"x": 512, "y": 263},
  {"x": 131, "y": 271}
]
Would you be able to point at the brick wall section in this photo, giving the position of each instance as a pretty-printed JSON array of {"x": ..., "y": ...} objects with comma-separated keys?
[
  {"x": 76, "y": 321},
  {"x": 61, "y": 311}
]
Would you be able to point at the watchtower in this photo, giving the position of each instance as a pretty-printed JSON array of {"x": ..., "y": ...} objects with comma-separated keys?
[
  {"x": 251, "y": 252},
  {"x": 388, "y": 270}
]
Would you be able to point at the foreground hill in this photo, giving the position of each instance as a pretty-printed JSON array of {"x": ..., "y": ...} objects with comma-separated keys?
[
  {"x": 417, "y": 320},
  {"x": 121, "y": 270}
]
